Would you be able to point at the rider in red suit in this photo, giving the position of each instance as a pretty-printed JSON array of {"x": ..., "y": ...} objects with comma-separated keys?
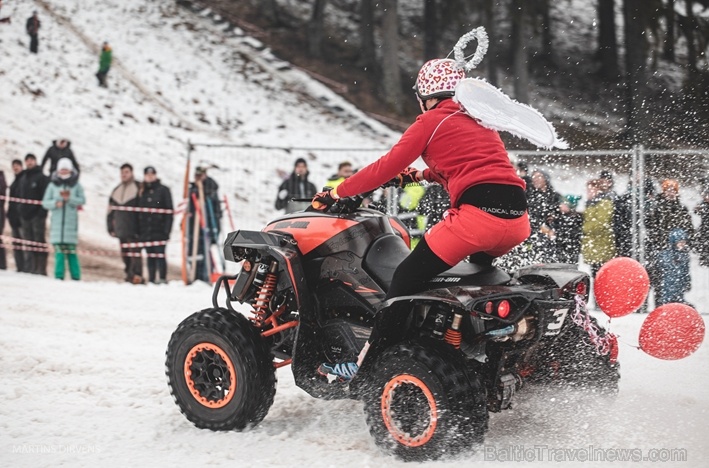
[{"x": 488, "y": 214}]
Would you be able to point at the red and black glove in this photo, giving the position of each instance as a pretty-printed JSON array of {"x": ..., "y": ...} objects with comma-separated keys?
[
  {"x": 410, "y": 175},
  {"x": 324, "y": 200}
]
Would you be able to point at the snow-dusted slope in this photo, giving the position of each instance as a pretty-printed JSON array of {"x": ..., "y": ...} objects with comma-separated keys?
[
  {"x": 83, "y": 385},
  {"x": 176, "y": 77}
]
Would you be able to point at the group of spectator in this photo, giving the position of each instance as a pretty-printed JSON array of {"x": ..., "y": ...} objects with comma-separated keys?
[
  {"x": 604, "y": 230},
  {"x": 60, "y": 194},
  {"x": 36, "y": 196},
  {"x": 131, "y": 220}
]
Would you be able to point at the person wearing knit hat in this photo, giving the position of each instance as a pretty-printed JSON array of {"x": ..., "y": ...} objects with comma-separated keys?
[
  {"x": 296, "y": 185},
  {"x": 667, "y": 214},
  {"x": 63, "y": 198}
]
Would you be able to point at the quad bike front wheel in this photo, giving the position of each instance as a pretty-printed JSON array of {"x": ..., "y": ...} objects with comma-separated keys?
[
  {"x": 220, "y": 371},
  {"x": 421, "y": 404}
]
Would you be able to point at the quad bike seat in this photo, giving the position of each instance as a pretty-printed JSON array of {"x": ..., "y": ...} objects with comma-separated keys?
[{"x": 388, "y": 251}]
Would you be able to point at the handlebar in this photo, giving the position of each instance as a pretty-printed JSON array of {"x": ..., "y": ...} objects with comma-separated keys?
[{"x": 346, "y": 205}]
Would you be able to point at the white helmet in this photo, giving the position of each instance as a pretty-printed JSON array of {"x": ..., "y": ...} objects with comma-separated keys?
[{"x": 438, "y": 78}]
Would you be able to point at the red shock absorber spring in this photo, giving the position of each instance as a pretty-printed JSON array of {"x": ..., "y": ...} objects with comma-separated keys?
[
  {"x": 453, "y": 338},
  {"x": 453, "y": 335},
  {"x": 263, "y": 297}
]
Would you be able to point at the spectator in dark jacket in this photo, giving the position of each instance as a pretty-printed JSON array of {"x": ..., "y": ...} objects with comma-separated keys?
[
  {"x": 667, "y": 214},
  {"x": 124, "y": 224},
  {"x": 623, "y": 215},
  {"x": 155, "y": 226},
  {"x": 32, "y": 28},
  {"x": 3, "y": 192},
  {"x": 33, "y": 216},
  {"x": 701, "y": 238},
  {"x": 59, "y": 149},
  {"x": 542, "y": 200},
  {"x": 543, "y": 204},
  {"x": 567, "y": 229},
  {"x": 295, "y": 186},
  {"x": 13, "y": 216},
  {"x": 673, "y": 266}
]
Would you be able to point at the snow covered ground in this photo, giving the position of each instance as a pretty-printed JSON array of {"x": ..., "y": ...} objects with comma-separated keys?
[{"x": 82, "y": 366}]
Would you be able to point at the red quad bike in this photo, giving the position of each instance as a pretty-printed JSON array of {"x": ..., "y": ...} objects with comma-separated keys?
[{"x": 311, "y": 285}]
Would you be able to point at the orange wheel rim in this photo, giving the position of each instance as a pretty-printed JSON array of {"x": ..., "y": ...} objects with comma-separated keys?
[
  {"x": 398, "y": 428},
  {"x": 210, "y": 375}
]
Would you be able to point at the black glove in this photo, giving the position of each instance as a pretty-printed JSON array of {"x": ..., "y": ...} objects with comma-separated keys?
[
  {"x": 410, "y": 175},
  {"x": 323, "y": 200}
]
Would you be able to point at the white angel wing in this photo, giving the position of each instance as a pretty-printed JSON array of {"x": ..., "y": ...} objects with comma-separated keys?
[{"x": 496, "y": 110}]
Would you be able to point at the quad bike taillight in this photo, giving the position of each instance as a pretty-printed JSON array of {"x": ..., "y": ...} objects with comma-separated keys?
[
  {"x": 502, "y": 309},
  {"x": 581, "y": 288}
]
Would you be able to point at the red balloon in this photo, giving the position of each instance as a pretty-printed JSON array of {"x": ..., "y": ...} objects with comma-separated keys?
[
  {"x": 672, "y": 331},
  {"x": 621, "y": 286}
]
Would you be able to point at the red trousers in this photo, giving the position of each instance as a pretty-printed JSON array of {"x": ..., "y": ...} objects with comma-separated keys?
[{"x": 467, "y": 230}]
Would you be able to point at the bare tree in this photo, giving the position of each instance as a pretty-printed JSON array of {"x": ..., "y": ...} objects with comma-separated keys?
[
  {"x": 430, "y": 30},
  {"x": 367, "y": 52},
  {"x": 490, "y": 27},
  {"x": 520, "y": 39},
  {"x": 669, "y": 52},
  {"x": 390, "y": 55},
  {"x": 269, "y": 10},
  {"x": 689, "y": 28},
  {"x": 607, "y": 43},
  {"x": 544, "y": 11},
  {"x": 316, "y": 27},
  {"x": 635, "y": 70}
]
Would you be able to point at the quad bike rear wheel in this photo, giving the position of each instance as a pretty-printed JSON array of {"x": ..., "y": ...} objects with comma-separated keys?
[
  {"x": 572, "y": 361},
  {"x": 421, "y": 403},
  {"x": 220, "y": 371}
]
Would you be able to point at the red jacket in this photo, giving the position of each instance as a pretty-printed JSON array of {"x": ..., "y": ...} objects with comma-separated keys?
[{"x": 459, "y": 152}]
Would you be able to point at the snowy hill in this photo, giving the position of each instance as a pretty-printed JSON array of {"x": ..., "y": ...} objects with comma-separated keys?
[{"x": 176, "y": 77}]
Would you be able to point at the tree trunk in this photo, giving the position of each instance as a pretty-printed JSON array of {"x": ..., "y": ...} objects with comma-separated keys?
[
  {"x": 269, "y": 10},
  {"x": 520, "y": 38},
  {"x": 390, "y": 56},
  {"x": 430, "y": 30},
  {"x": 635, "y": 75},
  {"x": 669, "y": 52},
  {"x": 367, "y": 53},
  {"x": 689, "y": 29},
  {"x": 315, "y": 29},
  {"x": 547, "y": 36},
  {"x": 607, "y": 44},
  {"x": 490, "y": 27}
]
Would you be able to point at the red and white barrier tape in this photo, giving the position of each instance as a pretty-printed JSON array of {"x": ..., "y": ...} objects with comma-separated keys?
[
  {"x": 180, "y": 206},
  {"x": 145, "y": 210},
  {"x": 21, "y": 200},
  {"x": 134, "y": 245},
  {"x": 33, "y": 246}
]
